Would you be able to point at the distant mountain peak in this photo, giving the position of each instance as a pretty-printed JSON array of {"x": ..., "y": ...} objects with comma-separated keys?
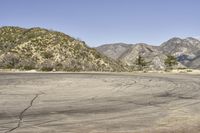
[{"x": 191, "y": 38}]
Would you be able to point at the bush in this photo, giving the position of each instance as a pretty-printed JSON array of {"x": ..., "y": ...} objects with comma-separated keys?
[
  {"x": 9, "y": 60},
  {"x": 189, "y": 70},
  {"x": 47, "y": 54},
  {"x": 27, "y": 64},
  {"x": 58, "y": 66},
  {"x": 47, "y": 65}
]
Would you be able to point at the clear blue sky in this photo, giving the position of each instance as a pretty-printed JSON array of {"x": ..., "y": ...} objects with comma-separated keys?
[{"x": 107, "y": 21}]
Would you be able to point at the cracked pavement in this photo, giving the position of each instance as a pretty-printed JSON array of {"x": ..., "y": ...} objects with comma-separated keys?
[
  {"x": 99, "y": 103},
  {"x": 21, "y": 115}
]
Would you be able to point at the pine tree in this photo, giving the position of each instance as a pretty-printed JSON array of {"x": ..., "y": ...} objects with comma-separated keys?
[
  {"x": 140, "y": 62},
  {"x": 170, "y": 62}
]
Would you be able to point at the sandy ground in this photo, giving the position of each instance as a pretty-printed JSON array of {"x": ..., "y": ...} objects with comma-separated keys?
[{"x": 99, "y": 103}]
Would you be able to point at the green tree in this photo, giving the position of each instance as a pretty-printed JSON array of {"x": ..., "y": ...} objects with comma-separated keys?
[
  {"x": 141, "y": 63},
  {"x": 170, "y": 62}
]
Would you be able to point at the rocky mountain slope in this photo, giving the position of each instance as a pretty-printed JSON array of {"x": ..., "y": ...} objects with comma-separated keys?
[
  {"x": 194, "y": 63},
  {"x": 151, "y": 54},
  {"x": 130, "y": 52},
  {"x": 47, "y": 50},
  {"x": 186, "y": 50},
  {"x": 113, "y": 51}
]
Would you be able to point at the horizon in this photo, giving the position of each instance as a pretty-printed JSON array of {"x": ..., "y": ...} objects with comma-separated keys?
[
  {"x": 105, "y": 22},
  {"x": 107, "y": 43}
]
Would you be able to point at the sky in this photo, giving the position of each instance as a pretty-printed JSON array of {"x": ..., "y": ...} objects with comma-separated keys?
[{"x": 100, "y": 22}]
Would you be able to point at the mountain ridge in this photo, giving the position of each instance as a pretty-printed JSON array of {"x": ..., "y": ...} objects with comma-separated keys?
[
  {"x": 43, "y": 49},
  {"x": 183, "y": 49},
  {"x": 47, "y": 50}
]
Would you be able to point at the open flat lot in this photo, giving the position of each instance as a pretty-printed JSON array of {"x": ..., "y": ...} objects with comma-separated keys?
[{"x": 99, "y": 103}]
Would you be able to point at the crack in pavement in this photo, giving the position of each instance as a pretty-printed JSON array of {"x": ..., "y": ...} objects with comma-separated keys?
[{"x": 21, "y": 115}]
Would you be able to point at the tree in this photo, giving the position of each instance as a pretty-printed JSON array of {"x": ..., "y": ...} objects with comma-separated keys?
[
  {"x": 140, "y": 62},
  {"x": 170, "y": 62}
]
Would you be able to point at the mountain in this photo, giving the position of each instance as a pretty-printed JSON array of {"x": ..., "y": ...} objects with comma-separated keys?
[
  {"x": 186, "y": 50},
  {"x": 194, "y": 63},
  {"x": 151, "y": 54},
  {"x": 128, "y": 53},
  {"x": 47, "y": 50},
  {"x": 178, "y": 46},
  {"x": 113, "y": 51}
]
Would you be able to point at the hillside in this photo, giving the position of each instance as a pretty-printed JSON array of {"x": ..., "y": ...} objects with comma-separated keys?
[
  {"x": 128, "y": 53},
  {"x": 47, "y": 50},
  {"x": 113, "y": 51},
  {"x": 151, "y": 54},
  {"x": 187, "y": 52},
  {"x": 194, "y": 63}
]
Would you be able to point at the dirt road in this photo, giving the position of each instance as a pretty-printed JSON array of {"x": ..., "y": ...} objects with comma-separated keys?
[{"x": 99, "y": 103}]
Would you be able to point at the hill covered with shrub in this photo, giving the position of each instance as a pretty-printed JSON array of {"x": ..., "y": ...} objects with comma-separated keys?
[{"x": 46, "y": 50}]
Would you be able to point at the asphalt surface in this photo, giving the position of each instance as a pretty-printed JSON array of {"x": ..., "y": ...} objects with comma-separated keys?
[{"x": 99, "y": 103}]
